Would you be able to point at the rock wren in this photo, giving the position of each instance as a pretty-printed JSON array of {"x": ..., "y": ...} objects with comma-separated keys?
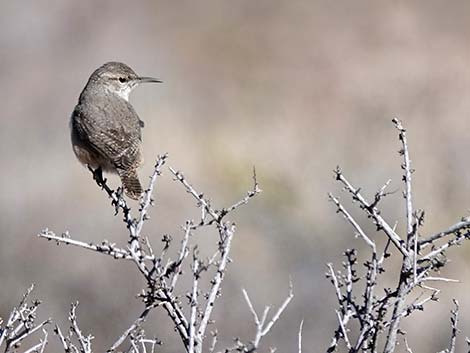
[{"x": 106, "y": 130}]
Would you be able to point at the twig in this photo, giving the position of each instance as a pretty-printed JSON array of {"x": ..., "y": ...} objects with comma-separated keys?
[
  {"x": 454, "y": 319},
  {"x": 372, "y": 211},
  {"x": 256, "y": 190},
  {"x": 226, "y": 232},
  {"x": 147, "y": 199},
  {"x": 39, "y": 348},
  {"x": 198, "y": 196},
  {"x": 21, "y": 324},
  {"x": 407, "y": 347},
  {"x": 463, "y": 225},
  {"x": 214, "y": 341},
  {"x": 342, "y": 322},
  {"x": 85, "y": 342},
  {"x": 142, "y": 317},
  {"x": 194, "y": 305},
  {"x": 183, "y": 252},
  {"x": 300, "y": 336},
  {"x": 63, "y": 340},
  {"x": 262, "y": 328},
  {"x": 105, "y": 248},
  {"x": 350, "y": 219},
  {"x": 406, "y": 179}
]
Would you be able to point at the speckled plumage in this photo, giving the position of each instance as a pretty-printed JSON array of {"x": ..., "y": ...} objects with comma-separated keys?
[{"x": 105, "y": 128}]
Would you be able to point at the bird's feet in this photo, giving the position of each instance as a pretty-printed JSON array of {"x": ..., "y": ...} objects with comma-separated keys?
[{"x": 98, "y": 176}]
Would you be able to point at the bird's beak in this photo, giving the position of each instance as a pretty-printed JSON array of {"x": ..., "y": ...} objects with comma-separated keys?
[{"x": 148, "y": 79}]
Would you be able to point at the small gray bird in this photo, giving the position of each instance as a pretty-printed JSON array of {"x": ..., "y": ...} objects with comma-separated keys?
[{"x": 106, "y": 130}]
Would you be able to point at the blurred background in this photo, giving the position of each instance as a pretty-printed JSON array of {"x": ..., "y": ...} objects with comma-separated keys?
[{"x": 292, "y": 87}]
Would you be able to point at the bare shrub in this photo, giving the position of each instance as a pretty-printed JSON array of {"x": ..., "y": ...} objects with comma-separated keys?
[
  {"x": 190, "y": 314},
  {"x": 369, "y": 320},
  {"x": 369, "y": 313}
]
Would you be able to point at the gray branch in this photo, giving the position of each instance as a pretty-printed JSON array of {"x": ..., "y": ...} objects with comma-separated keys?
[{"x": 378, "y": 319}]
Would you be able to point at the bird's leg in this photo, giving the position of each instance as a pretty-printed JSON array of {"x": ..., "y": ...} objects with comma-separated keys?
[
  {"x": 98, "y": 176},
  {"x": 120, "y": 192}
]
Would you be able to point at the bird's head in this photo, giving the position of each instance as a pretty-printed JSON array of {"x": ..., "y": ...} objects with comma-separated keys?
[{"x": 118, "y": 78}]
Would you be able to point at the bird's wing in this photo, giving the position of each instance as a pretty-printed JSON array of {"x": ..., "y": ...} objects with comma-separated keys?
[{"x": 112, "y": 133}]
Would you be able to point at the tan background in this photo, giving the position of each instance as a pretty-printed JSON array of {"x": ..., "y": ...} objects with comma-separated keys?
[{"x": 293, "y": 87}]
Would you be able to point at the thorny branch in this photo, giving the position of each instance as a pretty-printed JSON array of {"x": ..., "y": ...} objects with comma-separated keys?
[
  {"x": 263, "y": 326},
  {"x": 162, "y": 273},
  {"x": 75, "y": 341},
  {"x": 22, "y": 324},
  {"x": 367, "y": 321},
  {"x": 378, "y": 317}
]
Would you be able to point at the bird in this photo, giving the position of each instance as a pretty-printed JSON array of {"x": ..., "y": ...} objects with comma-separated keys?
[{"x": 106, "y": 131}]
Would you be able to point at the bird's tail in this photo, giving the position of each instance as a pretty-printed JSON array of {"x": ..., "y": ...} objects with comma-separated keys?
[{"x": 131, "y": 184}]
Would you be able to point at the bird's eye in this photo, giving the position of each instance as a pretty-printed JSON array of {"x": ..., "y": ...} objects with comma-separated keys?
[{"x": 122, "y": 79}]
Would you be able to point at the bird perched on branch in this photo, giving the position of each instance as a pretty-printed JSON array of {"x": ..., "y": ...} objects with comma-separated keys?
[{"x": 106, "y": 130}]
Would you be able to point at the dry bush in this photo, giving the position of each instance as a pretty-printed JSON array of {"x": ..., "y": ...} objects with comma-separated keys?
[
  {"x": 369, "y": 313},
  {"x": 190, "y": 308}
]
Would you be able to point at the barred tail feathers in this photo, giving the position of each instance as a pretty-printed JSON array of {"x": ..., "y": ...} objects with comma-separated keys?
[{"x": 131, "y": 184}]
